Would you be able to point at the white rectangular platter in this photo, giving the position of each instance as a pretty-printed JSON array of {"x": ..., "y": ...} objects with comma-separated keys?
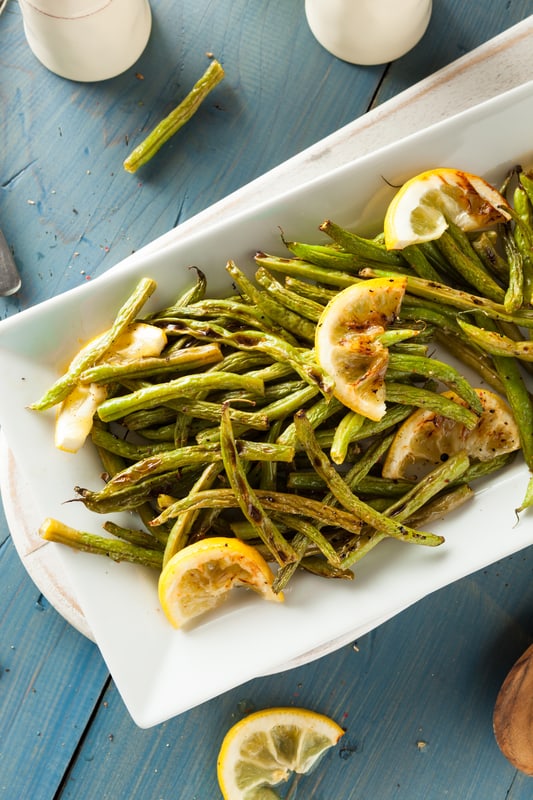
[{"x": 161, "y": 672}]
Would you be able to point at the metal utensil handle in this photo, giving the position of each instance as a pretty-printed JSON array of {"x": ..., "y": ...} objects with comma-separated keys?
[{"x": 9, "y": 277}]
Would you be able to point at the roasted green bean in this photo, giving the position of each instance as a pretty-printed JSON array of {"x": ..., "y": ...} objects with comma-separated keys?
[{"x": 177, "y": 118}]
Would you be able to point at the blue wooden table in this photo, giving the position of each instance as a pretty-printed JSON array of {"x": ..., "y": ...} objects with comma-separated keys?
[{"x": 416, "y": 695}]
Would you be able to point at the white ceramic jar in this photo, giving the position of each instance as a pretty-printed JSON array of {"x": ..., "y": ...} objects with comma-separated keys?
[
  {"x": 87, "y": 40},
  {"x": 368, "y": 31}
]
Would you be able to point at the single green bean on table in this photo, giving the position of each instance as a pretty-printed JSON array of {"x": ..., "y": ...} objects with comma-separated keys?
[
  {"x": 235, "y": 427},
  {"x": 176, "y": 119}
]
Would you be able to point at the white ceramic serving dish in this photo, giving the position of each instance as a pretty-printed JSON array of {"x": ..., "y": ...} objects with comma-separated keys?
[{"x": 161, "y": 672}]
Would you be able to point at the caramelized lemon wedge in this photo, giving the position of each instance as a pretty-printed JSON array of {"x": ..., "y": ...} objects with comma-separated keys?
[
  {"x": 421, "y": 209},
  {"x": 348, "y": 345},
  {"x": 426, "y": 438},
  {"x": 200, "y": 577}
]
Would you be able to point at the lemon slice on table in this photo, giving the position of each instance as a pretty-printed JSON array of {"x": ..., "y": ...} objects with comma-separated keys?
[
  {"x": 265, "y": 748},
  {"x": 200, "y": 577},
  {"x": 347, "y": 342},
  {"x": 426, "y": 439},
  {"x": 421, "y": 209}
]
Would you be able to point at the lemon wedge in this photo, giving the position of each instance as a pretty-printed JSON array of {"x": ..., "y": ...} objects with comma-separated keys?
[
  {"x": 347, "y": 342},
  {"x": 74, "y": 418},
  {"x": 200, "y": 577},
  {"x": 421, "y": 209},
  {"x": 139, "y": 340},
  {"x": 265, "y": 748},
  {"x": 426, "y": 439}
]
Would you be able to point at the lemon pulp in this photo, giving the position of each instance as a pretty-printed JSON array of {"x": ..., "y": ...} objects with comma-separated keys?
[{"x": 264, "y": 748}]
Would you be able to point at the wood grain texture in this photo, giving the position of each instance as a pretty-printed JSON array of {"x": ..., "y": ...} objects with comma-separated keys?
[
  {"x": 67, "y": 207},
  {"x": 416, "y": 695},
  {"x": 50, "y": 680},
  {"x": 454, "y": 30}
]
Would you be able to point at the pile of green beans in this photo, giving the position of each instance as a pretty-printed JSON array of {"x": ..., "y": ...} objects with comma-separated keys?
[{"x": 234, "y": 429}]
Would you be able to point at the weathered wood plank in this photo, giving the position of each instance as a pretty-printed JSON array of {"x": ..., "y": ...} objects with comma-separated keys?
[
  {"x": 68, "y": 208},
  {"x": 51, "y": 677},
  {"x": 455, "y": 29}
]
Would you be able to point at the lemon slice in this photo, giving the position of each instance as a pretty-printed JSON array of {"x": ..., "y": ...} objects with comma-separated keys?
[
  {"x": 420, "y": 211},
  {"x": 347, "y": 342},
  {"x": 263, "y": 749},
  {"x": 426, "y": 439},
  {"x": 199, "y": 577}
]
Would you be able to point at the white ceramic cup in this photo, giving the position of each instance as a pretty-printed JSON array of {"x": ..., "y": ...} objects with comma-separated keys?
[
  {"x": 368, "y": 31},
  {"x": 87, "y": 40}
]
